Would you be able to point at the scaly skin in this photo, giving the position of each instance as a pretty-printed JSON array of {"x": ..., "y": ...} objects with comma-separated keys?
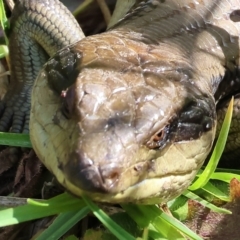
[
  {"x": 33, "y": 39},
  {"x": 130, "y": 115}
]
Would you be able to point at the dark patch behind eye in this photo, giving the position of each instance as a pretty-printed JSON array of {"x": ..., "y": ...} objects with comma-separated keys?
[
  {"x": 63, "y": 69},
  {"x": 195, "y": 119}
]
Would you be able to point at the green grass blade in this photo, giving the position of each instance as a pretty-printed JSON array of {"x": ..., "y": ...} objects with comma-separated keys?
[
  {"x": 136, "y": 214},
  {"x": 38, "y": 209},
  {"x": 114, "y": 228},
  {"x": 205, "y": 203},
  {"x": 228, "y": 170},
  {"x": 154, "y": 234},
  {"x": 179, "y": 207},
  {"x": 216, "y": 192},
  {"x": 145, "y": 217},
  {"x": 4, "y": 21},
  {"x": 3, "y": 51},
  {"x": 63, "y": 223},
  {"x": 15, "y": 139},
  {"x": 225, "y": 177},
  {"x": 178, "y": 225},
  {"x": 172, "y": 222},
  {"x": 168, "y": 226},
  {"x": 217, "y": 152},
  {"x": 82, "y": 7},
  {"x": 167, "y": 229}
]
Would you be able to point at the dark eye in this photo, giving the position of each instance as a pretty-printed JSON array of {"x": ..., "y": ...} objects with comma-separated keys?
[{"x": 158, "y": 140}]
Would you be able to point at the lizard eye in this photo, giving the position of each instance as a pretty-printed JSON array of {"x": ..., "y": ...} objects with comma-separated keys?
[{"x": 158, "y": 140}]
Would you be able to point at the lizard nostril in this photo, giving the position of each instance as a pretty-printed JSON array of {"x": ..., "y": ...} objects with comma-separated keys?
[
  {"x": 235, "y": 15},
  {"x": 110, "y": 175}
]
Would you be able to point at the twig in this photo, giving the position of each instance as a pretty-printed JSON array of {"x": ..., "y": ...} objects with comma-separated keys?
[
  {"x": 3, "y": 74},
  {"x": 82, "y": 7},
  {"x": 105, "y": 10},
  {"x": 10, "y": 4},
  {"x": 13, "y": 201}
]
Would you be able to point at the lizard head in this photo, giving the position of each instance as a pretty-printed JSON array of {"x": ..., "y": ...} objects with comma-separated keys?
[{"x": 120, "y": 124}]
